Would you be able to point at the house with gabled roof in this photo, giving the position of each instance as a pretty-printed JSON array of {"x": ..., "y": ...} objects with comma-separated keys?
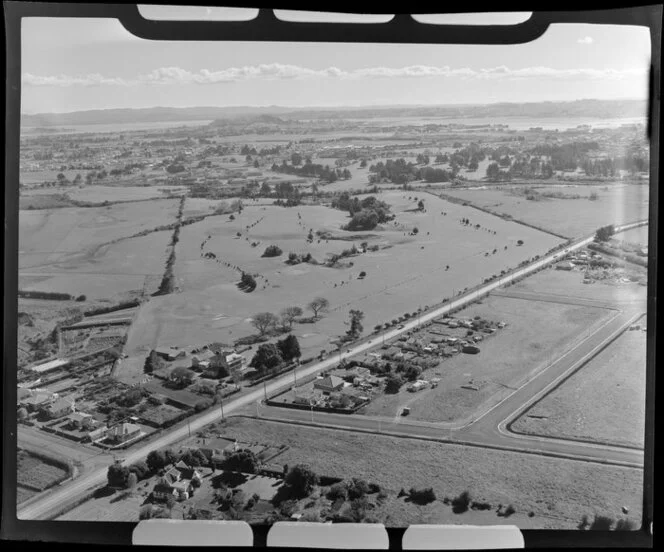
[{"x": 177, "y": 482}]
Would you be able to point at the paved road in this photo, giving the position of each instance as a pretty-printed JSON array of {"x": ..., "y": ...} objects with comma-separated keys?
[
  {"x": 490, "y": 429},
  {"x": 45, "y": 508}
]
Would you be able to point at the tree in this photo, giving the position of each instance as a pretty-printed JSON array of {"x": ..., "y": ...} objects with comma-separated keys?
[
  {"x": 296, "y": 159},
  {"x": 416, "y": 230},
  {"x": 493, "y": 171},
  {"x": 272, "y": 251},
  {"x": 152, "y": 362},
  {"x": 182, "y": 375},
  {"x": 393, "y": 383},
  {"x": 289, "y": 348},
  {"x": 243, "y": 461},
  {"x": 289, "y": 314},
  {"x": 356, "y": 317},
  {"x": 263, "y": 321},
  {"x": 318, "y": 305},
  {"x": 118, "y": 475},
  {"x": 266, "y": 190},
  {"x": 604, "y": 233},
  {"x": 156, "y": 460},
  {"x": 266, "y": 358},
  {"x": 140, "y": 468},
  {"x": 300, "y": 480},
  {"x": 420, "y": 205},
  {"x": 422, "y": 496}
]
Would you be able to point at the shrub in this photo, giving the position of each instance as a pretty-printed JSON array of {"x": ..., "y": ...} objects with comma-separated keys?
[
  {"x": 357, "y": 488},
  {"x": 337, "y": 491},
  {"x": 461, "y": 503},
  {"x": 422, "y": 496}
]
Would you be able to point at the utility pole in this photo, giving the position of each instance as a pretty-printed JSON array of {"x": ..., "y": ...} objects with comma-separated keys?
[
  {"x": 265, "y": 391},
  {"x": 294, "y": 376},
  {"x": 221, "y": 405}
]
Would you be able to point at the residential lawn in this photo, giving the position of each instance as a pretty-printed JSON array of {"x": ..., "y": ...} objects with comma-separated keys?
[
  {"x": 616, "y": 204},
  {"x": 535, "y": 333},
  {"x": 602, "y": 402},
  {"x": 531, "y": 483},
  {"x": 118, "y": 506}
]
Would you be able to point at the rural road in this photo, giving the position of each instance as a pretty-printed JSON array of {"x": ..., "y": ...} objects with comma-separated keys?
[{"x": 53, "y": 502}]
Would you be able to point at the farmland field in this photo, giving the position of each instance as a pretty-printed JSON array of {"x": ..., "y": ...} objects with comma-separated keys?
[
  {"x": 99, "y": 194},
  {"x": 541, "y": 330},
  {"x": 34, "y": 473},
  {"x": 635, "y": 235},
  {"x": 400, "y": 275},
  {"x": 602, "y": 402},
  {"x": 616, "y": 204},
  {"x": 532, "y": 483}
]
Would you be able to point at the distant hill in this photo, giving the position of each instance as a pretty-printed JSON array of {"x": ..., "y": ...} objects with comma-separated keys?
[{"x": 601, "y": 109}]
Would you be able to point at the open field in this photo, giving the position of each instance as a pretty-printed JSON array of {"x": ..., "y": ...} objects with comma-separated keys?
[
  {"x": 103, "y": 272},
  {"x": 570, "y": 284},
  {"x": 635, "y": 235},
  {"x": 99, "y": 194},
  {"x": 616, "y": 204},
  {"x": 531, "y": 483},
  {"x": 536, "y": 332},
  {"x": 400, "y": 275},
  {"x": 602, "y": 402},
  {"x": 48, "y": 237}
]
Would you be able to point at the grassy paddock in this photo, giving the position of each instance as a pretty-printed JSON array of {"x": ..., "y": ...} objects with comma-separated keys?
[{"x": 603, "y": 402}]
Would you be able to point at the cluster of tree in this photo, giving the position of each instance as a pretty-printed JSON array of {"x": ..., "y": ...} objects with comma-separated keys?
[
  {"x": 565, "y": 157},
  {"x": 399, "y": 171},
  {"x": 310, "y": 169},
  {"x": 272, "y": 251},
  {"x": 167, "y": 284},
  {"x": 604, "y": 233},
  {"x": 46, "y": 295},
  {"x": 294, "y": 258},
  {"x": 270, "y": 356},
  {"x": 365, "y": 214}
]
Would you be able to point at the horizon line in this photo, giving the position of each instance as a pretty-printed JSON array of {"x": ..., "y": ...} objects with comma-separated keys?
[{"x": 332, "y": 107}]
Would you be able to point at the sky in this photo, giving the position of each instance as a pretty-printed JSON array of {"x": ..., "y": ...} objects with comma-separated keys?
[{"x": 72, "y": 64}]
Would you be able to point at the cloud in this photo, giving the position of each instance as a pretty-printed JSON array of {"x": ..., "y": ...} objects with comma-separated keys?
[
  {"x": 278, "y": 71},
  {"x": 585, "y": 40}
]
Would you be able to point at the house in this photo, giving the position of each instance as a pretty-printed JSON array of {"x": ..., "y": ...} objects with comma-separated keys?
[
  {"x": 329, "y": 384},
  {"x": 59, "y": 408},
  {"x": 176, "y": 482},
  {"x": 80, "y": 420},
  {"x": 49, "y": 366},
  {"x": 170, "y": 353},
  {"x": 229, "y": 361},
  {"x": 202, "y": 358},
  {"x": 97, "y": 434},
  {"x": 565, "y": 265},
  {"x": 123, "y": 433},
  {"x": 36, "y": 400}
]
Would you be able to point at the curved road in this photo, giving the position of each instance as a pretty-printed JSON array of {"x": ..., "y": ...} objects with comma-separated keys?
[{"x": 52, "y": 502}]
